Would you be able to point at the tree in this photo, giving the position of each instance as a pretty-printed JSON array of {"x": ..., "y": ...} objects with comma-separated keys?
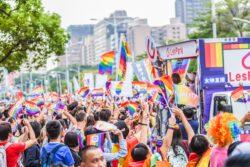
[
  {"x": 226, "y": 27},
  {"x": 26, "y": 29}
]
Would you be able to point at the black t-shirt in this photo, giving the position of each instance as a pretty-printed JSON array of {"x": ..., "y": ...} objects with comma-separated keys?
[
  {"x": 194, "y": 124},
  {"x": 76, "y": 158}
]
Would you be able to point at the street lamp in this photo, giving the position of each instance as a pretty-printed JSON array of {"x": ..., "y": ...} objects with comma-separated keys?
[{"x": 214, "y": 19}]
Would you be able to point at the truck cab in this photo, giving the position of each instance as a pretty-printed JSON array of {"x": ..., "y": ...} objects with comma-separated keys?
[{"x": 239, "y": 108}]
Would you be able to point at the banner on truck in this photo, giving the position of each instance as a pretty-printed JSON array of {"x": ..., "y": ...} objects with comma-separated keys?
[
  {"x": 178, "y": 51},
  {"x": 237, "y": 66}
]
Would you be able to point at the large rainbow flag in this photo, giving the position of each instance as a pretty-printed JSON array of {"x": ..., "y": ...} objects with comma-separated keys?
[
  {"x": 213, "y": 55},
  {"x": 184, "y": 95},
  {"x": 107, "y": 62},
  {"x": 31, "y": 108},
  {"x": 125, "y": 56},
  {"x": 16, "y": 109}
]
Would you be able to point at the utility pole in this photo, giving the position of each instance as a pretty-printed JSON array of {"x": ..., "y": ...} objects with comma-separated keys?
[{"x": 214, "y": 19}]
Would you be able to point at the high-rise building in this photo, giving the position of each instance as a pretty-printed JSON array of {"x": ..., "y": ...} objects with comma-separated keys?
[
  {"x": 78, "y": 32},
  {"x": 89, "y": 57},
  {"x": 188, "y": 10},
  {"x": 176, "y": 31},
  {"x": 104, "y": 31},
  {"x": 74, "y": 49},
  {"x": 137, "y": 33}
]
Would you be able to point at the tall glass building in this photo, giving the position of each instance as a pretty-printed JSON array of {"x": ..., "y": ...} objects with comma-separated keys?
[{"x": 188, "y": 10}]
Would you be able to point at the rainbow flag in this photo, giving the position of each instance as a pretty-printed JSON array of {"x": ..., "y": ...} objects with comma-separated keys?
[
  {"x": 140, "y": 86},
  {"x": 157, "y": 97},
  {"x": 125, "y": 56},
  {"x": 132, "y": 108},
  {"x": 16, "y": 109},
  {"x": 166, "y": 85},
  {"x": 184, "y": 95},
  {"x": 98, "y": 92},
  {"x": 37, "y": 90},
  {"x": 96, "y": 139},
  {"x": 118, "y": 88},
  {"x": 39, "y": 100},
  {"x": 238, "y": 93},
  {"x": 107, "y": 62},
  {"x": 213, "y": 55},
  {"x": 83, "y": 92},
  {"x": 31, "y": 108}
]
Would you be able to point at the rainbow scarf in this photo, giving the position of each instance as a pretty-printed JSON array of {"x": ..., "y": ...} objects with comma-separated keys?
[
  {"x": 106, "y": 63},
  {"x": 16, "y": 109},
  {"x": 125, "y": 56},
  {"x": 31, "y": 108}
]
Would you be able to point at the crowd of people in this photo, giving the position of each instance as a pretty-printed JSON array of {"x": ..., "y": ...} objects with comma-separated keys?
[{"x": 99, "y": 132}]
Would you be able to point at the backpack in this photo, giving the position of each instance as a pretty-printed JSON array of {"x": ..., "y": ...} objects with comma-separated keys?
[
  {"x": 47, "y": 160},
  {"x": 3, "y": 157}
]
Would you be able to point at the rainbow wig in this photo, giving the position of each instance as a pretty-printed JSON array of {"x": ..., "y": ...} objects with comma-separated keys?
[{"x": 223, "y": 129}]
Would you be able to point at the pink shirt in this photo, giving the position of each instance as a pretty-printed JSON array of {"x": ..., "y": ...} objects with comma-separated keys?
[{"x": 218, "y": 157}]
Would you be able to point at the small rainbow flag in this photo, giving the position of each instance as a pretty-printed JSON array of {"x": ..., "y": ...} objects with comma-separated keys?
[
  {"x": 97, "y": 92},
  {"x": 125, "y": 56},
  {"x": 140, "y": 86},
  {"x": 96, "y": 139},
  {"x": 166, "y": 85},
  {"x": 37, "y": 90},
  {"x": 83, "y": 92},
  {"x": 238, "y": 93},
  {"x": 39, "y": 100},
  {"x": 132, "y": 107},
  {"x": 213, "y": 55},
  {"x": 156, "y": 97},
  {"x": 107, "y": 62},
  {"x": 16, "y": 109},
  {"x": 118, "y": 88},
  {"x": 31, "y": 108},
  {"x": 184, "y": 95}
]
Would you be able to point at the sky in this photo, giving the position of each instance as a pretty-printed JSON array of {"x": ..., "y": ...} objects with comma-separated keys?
[{"x": 158, "y": 12}]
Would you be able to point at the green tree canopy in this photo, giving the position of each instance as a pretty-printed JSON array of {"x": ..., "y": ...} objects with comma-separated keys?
[
  {"x": 26, "y": 29},
  {"x": 226, "y": 10}
]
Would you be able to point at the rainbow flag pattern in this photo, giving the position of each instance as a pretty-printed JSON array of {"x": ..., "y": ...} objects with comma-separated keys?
[
  {"x": 157, "y": 97},
  {"x": 118, "y": 88},
  {"x": 16, "y": 109},
  {"x": 180, "y": 67},
  {"x": 106, "y": 63},
  {"x": 97, "y": 92},
  {"x": 236, "y": 46},
  {"x": 31, "y": 108},
  {"x": 83, "y": 92},
  {"x": 132, "y": 108},
  {"x": 238, "y": 93},
  {"x": 184, "y": 95},
  {"x": 166, "y": 85},
  {"x": 125, "y": 56},
  {"x": 39, "y": 100},
  {"x": 213, "y": 55},
  {"x": 96, "y": 139},
  {"x": 37, "y": 90}
]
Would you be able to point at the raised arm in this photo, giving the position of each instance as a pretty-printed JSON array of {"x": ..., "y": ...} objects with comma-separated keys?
[
  {"x": 70, "y": 117},
  {"x": 188, "y": 128},
  {"x": 167, "y": 140}
]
